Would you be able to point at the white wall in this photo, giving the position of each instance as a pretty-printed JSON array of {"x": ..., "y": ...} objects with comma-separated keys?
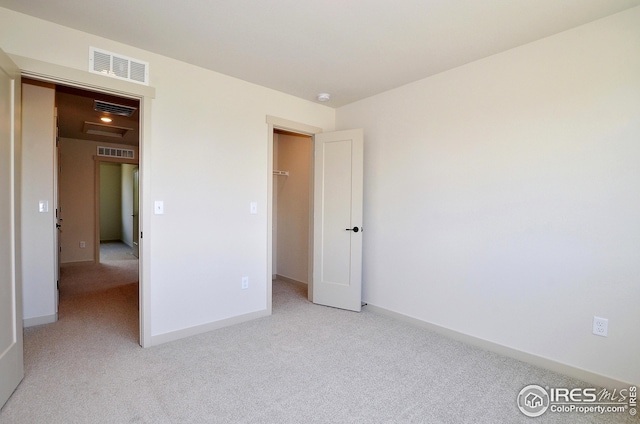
[
  {"x": 38, "y": 228},
  {"x": 207, "y": 160},
  {"x": 501, "y": 197},
  {"x": 110, "y": 202},
  {"x": 292, "y": 193}
]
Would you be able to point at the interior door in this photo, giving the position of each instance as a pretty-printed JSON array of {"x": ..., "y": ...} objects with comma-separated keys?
[
  {"x": 136, "y": 213},
  {"x": 11, "y": 363},
  {"x": 337, "y": 243}
]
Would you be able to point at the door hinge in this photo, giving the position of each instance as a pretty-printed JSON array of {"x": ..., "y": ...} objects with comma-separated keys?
[{"x": 140, "y": 234}]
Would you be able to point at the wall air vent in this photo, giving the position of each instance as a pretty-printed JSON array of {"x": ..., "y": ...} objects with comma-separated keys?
[
  {"x": 115, "y": 153},
  {"x": 118, "y": 66},
  {"x": 116, "y": 109}
]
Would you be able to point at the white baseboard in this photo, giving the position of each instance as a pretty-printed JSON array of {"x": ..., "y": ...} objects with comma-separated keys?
[
  {"x": 289, "y": 280},
  {"x": 205, "y": 328},
  {"x": 598, "y": 380},
  {"x": 46, "y": 319},
  {"x": 85, "y": 262}
]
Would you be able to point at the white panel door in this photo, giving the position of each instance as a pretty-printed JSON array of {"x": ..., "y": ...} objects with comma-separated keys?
[
  {"x": 11, "y": 363},
  {"x": 338, "y": 178}
]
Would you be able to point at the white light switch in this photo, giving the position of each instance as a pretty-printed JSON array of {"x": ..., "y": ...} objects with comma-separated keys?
[
  {"x": 158, "y": 207},
  {"x": 43, "y": 206},
  {"x": 254, "y": 208}
]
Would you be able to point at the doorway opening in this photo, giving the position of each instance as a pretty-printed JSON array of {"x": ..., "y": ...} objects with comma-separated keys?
[
  {"x": 301, "y": 134},
  {"x": 98, "y": 149},
  {"x": 49, "y": 73},
  {"x": 292, "y": 210},
  {"x": 117, "y": 210},
  {"x": 78, "y": 145}
]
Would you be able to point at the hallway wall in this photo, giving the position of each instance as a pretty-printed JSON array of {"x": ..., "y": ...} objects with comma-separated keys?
[{"x": 39, "y": 294}]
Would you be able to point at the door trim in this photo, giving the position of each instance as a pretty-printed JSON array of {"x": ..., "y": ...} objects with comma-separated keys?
[
  {"x": 57, "y": 74},
  {"x": 274, "y": 123},
  {"x": 12, "y": 359}
]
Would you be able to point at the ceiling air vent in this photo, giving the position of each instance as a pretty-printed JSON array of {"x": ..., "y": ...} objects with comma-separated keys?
[
  {"x": 118, "y": 66},
  {"x": 113, "y": 108},
  {"x": 115, "y": 153}
]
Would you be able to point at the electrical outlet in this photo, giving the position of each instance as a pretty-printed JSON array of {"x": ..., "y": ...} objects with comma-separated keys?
[
  {"x": 600, "y": 326},
  {"x": 245, "y": 283},
  {"x": 83, "y": 245}
]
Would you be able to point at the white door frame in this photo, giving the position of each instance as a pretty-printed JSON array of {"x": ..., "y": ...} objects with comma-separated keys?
[
  {"x": 275, "y": 123},
  {"x": 12, "y": 356},
  {"x": 57, "y": 74}
]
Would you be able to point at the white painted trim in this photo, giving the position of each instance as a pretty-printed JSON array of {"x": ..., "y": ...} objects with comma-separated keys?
[
  {"x": 88, "y": 261},
  {"x": 538, "y": 361},
  {"x": 45, "y": 319},
  {"x": 269, "y": 297},
  {"x": 159, "y": 339},
  {"x": 57, "y": 74},
  {"x": 274, "y": 122},
  {"x": 287, "y": 125},
  {"x": 288, "y": 280}
]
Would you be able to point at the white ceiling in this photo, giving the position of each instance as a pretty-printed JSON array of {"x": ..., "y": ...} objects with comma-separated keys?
[{"x": 352, "y": 49}]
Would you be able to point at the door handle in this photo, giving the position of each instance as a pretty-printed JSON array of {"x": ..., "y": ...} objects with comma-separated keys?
[{"x": 354, "y": 229}]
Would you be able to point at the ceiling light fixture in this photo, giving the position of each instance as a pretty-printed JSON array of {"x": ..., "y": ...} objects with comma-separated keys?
[
  {"x": 105, "y": 119},
  {"x": 323, "y": 97}
]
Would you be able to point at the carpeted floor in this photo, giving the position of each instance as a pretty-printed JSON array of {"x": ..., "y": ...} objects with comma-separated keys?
[
  {"x": 304, "y": 364},
  {"x": 118, "y": 267}
]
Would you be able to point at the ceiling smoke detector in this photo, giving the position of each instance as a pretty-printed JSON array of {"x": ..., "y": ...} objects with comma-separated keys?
[{"x": 323, "y": 97}]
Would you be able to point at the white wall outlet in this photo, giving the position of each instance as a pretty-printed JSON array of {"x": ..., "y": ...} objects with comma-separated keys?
[
  {"x": 83, "y": 245},
  {"x": 158, "y": 207},
  {"x": 245, "y": 283},
  {"x": 254, "y": 208},
  {"x": 600, "y": 326}
]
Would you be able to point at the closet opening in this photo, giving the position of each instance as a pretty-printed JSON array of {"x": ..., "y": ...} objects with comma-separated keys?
[{"x": 292, "y": 209}]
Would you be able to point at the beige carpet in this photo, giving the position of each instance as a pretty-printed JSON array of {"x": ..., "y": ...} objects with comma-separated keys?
[
  {"x": 304, "y": 364},
  {"x": 118, "y": 267}
]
